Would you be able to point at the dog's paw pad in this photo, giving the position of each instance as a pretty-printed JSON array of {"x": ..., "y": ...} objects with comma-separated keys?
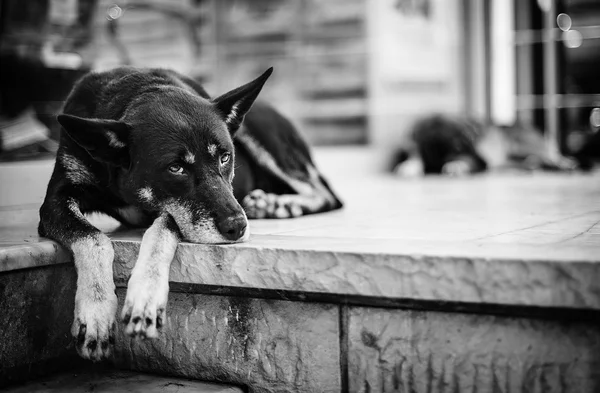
[
  {"x": 295, "y": 210},
  {"x": 256, "y": 204},
  {"x": 143, "y": 325},
  {"x": 259, "y": 204},
  {"x": 286, "y": 208},
  {"x": 94, "y": 329},
  {"x": 281, "y": 212},
  {"x": 144, "y": 311}
]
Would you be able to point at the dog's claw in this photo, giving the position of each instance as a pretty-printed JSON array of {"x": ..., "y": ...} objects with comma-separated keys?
[
  {"x": 159, "y": 318},
  {"x": 92, "y": 345},
  {"x": 126, "y": 318},
  {"x": 81, "y": 335},
  {"x": 111, "y": 335}
]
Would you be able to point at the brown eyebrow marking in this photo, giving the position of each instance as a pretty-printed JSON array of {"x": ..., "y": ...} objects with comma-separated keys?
[
  {"x": 212, "y": 149},
  {"x": 189, "y": 158}
]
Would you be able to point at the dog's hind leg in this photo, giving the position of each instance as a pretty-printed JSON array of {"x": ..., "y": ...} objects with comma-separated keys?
[
  {"x": 148, "y": 288},
  {"x": 95, "y": 300},
  {"x": 286, "y": 182},
  {"x": 312, "y": 196}
]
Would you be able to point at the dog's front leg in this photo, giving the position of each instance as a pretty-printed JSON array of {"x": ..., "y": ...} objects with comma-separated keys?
[
  {"x": 148, "y": 287},
  {"x": 95, "y": 299}
]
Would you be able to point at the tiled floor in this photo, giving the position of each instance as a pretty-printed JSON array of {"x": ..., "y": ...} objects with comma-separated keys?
[
  {"x": 545, "y": 209},
  {"x": 553, "y": 210}
]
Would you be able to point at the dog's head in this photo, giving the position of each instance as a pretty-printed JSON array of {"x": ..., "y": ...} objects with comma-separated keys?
[{"x": 175, "y": 153}]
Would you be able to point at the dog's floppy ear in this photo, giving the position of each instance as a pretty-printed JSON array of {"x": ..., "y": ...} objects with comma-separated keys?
[
  {"x": 105, "y": 140},
  {"x": 234, "y": 105}
]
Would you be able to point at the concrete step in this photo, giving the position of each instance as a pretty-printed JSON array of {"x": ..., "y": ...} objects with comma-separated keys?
[
  {"x": 117, "y": 381},
  {"x": 482, "y": 284}
]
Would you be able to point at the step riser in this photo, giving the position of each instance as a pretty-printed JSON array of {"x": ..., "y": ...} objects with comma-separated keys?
[
  {"x": 263, "y": 344},
  {"x": 36, "y": 306},
  {"x": 279, "y": 345}
]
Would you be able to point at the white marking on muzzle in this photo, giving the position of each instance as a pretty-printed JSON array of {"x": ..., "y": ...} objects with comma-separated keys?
[{"x": 202, "y": 230}]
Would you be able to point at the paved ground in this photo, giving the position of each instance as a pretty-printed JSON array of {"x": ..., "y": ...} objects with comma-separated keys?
[{"x": 550, "y": 210}]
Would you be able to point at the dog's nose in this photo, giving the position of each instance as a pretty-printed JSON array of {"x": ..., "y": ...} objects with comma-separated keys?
[{"x": 232, "y": 228}]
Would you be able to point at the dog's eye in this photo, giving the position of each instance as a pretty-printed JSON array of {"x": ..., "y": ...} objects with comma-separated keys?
[
  {"x": 176, "y": 168},
  {"x": 225, "y": 158}
]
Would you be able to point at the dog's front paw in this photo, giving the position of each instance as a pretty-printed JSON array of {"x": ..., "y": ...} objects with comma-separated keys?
[
  {"x": 456, "y": 168},
  {"x": 94, "y": 326},
  {"x": 259, "y": 204},
  {"x": 410, "y": 168},
  {"x": 144, "y": 311}
]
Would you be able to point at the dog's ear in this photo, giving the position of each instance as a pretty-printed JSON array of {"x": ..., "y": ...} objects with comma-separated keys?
[
  {"x": 234, "y": 105},
  {"x": 105, "y": 140}
]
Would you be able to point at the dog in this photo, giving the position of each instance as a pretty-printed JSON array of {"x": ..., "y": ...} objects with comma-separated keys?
[
  {"x": 460, "y": 146},
  {"x": 150, "y": 148}
]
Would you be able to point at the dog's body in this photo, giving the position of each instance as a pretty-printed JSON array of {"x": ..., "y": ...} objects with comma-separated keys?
[
  {"x": 150, "y": 148},
  {"x": 458, "y": 145}
]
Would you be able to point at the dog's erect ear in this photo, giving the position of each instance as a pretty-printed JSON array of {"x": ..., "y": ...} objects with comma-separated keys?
[
  {"x": 234, "y": 105},
  {"x": 105, "y": 140}
]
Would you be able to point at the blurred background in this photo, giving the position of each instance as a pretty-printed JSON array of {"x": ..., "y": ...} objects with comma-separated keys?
[{"x": 347, "y": 72}]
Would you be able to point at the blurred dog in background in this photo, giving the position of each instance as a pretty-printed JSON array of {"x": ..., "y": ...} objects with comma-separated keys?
[{"x": 459, "y": 145}]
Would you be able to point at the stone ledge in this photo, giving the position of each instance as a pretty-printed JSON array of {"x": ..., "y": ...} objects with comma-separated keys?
[
  {"x": 528, "y": 276},
  {"x": 531, "y": 241},
  {"x": 36, "y": 254},
  {"x": 523, "y": 275}
]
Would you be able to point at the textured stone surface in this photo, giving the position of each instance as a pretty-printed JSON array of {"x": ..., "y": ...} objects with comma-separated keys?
[
  {"x": 267, "y": 345},
  {"x": 509, "y": 240},
  {"x": 114, "y": 381},
  {"x": 411, "y": 351},
  {"x": 391, "y": 272},
  {"x": 37, "y": 310},
  {"x": 31, "y": 254}
]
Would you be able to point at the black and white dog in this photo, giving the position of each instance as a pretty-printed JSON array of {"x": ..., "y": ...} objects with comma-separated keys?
[{"x": 149, "y": 147}]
